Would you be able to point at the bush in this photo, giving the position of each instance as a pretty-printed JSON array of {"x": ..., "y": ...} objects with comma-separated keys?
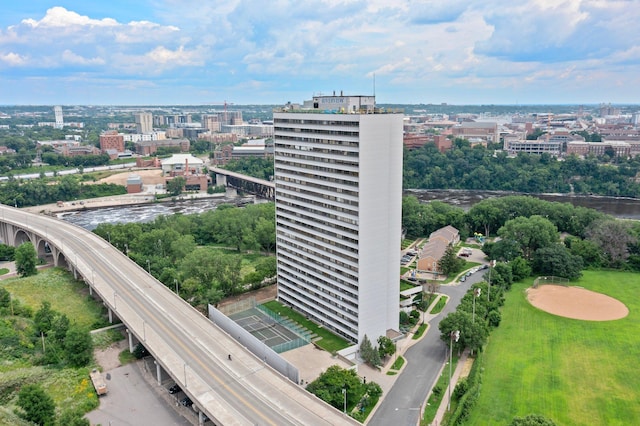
[
  {"x": 140, "y": 351},
  {"x": 460, "y": 389},
  {"x": 494, "y": 317}
]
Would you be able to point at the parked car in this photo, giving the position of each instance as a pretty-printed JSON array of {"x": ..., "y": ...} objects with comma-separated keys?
[{"x": 174, "y": 389}]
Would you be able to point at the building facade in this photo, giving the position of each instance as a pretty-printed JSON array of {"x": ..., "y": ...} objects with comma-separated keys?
[
  {"x": 111, "y": 140},
  {"x": 338, "y": 177},
  {"x": 144, "y": 122},
  {"x": 57, "y": 111}
]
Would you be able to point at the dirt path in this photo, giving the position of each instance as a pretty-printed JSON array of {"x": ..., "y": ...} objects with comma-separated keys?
[{"x": 108, "y": 358}]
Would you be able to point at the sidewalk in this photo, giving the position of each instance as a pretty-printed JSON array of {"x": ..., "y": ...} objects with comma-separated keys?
[{"x": 454, "y": 380}]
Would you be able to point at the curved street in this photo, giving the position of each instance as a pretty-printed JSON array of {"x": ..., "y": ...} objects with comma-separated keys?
[{"x": 403, "y": 404}]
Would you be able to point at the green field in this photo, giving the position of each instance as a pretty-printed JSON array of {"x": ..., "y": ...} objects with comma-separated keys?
[
  {"x": 573, "y": 372},
  {"x": 70, "y": 388},
  {"x": 66, "y": 295}
]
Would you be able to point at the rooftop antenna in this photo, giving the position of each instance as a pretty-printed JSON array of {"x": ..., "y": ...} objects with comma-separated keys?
[{"x": 374, "y": 84}]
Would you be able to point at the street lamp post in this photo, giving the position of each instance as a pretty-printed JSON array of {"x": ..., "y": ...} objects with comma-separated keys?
[
  {"x": 175, "y": 281},
  {"x": 455, "y": 335},
  {"x": 491, "y": 265},
  {"x": 126, "y": 249},
  {"x": 476, "y": 293},
  {"x": 149, "y": 266},
  {"x": 344, "y": 392}
]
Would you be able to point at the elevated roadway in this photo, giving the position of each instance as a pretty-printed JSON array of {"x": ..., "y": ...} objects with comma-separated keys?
[{"x": 244, "y": 391}]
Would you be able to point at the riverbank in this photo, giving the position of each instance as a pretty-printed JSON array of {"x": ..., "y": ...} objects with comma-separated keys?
[{"x": 116, "y": 201}]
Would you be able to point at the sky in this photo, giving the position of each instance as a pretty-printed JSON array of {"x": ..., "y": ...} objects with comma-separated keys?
[{"x": 187, "y": 52}]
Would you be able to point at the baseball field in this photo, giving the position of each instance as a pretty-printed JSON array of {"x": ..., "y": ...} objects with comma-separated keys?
[{"x": 573, "y": 371}]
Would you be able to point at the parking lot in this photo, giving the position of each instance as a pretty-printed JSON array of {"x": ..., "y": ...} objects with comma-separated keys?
[{"x": 132, "y": 401}]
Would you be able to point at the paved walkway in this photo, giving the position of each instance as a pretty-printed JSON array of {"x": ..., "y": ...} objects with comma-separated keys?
[{"x": 444, "y": 405}]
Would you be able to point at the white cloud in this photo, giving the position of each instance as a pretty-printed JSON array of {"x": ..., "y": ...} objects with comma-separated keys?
[
  {"x": 178, "y": 57},
  {"x": 71, "y": 58},
  {"x": 13, "y": 59},
  {"x": 59, "y": 17}
]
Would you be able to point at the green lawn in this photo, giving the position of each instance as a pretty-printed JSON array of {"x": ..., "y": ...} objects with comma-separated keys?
[
  {"x": 406, "y": 285},
  {"x": 64, "y": 293},
  {"x": 574, "y": 372},
  {"x": 329, "y": 342},
  {"x": 437, "y": 393},
  {"x": 440, "y": 304}
]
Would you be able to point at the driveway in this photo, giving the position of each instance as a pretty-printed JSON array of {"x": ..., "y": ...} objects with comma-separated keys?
[{"x": 403, "y": 404}]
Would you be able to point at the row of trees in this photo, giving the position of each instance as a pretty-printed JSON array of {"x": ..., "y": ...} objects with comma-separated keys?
[
  {"x": 33, "y": 192},
  {"x": 464, "y": 167},
  {"x": 202, "y": 254},
  {"x": 54, "y": 159}
]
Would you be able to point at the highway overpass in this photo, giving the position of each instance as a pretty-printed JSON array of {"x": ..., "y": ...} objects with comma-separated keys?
[{"x": 184, "y": 343}]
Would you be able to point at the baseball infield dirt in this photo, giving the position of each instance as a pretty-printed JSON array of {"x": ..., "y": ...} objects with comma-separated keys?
[{"x": 576, "y": 303}]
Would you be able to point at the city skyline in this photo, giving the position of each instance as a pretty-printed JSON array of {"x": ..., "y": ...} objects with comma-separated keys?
[{"x": 160, "y": 52}]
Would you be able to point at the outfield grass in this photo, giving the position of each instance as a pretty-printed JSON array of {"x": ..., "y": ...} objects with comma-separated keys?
[{"x": 574, "y": 372}]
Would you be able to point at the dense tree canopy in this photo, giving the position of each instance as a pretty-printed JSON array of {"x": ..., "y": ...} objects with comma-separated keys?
[
  {"x": 178, "y": 249},
  {"x": 530, "y": 233},
  {"x": 466, "y": 167},
  {"x": 557, "y": 260}
]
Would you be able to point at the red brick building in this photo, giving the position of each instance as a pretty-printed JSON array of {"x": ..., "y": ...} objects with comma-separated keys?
[{"x": 111, "y": 140}]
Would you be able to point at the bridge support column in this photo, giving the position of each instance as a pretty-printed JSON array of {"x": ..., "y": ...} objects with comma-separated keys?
[
  {"x": 200, "y": 418},
  {"x": 131, "y": 348},
  {"x": 158, "y": 373},
  {"x": 90, "y": 290},
  {"x": 110, "y": 314}
]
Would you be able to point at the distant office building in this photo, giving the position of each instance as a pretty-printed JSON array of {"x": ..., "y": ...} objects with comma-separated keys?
[
  {"x": 211, "y": 122},
  {"x": 151, "y": 147},
  {"x": 111, "y": 140},
  {"x": 484, "y": 131},
  {"x": 144, "y": 122},
  {"x": 57, "y": 111},
  {"x": 338, "y": 176}
]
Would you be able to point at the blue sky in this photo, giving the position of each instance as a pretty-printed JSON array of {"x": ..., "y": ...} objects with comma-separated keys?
[{"x": 270, "y": 52}]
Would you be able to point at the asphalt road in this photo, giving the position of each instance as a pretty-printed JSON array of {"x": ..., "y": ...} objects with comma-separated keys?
[{"x": 402, "y": 405}]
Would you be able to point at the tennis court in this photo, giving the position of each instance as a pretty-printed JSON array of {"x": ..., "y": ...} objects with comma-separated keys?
[{"x": 280, "y": 334}]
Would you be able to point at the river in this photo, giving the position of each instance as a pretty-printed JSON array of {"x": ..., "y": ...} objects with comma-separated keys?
[
  {"x": 620, "y": 207},
  {"x": 141, "y": 213},
  {"x": 624, "y": 208}
]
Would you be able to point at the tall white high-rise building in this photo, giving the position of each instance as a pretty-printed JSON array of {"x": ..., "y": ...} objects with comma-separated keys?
[
  {"x": 338, "y": 177},
  {"x": 57, "y": 111},
  {"x": 144, "y": 122}
]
